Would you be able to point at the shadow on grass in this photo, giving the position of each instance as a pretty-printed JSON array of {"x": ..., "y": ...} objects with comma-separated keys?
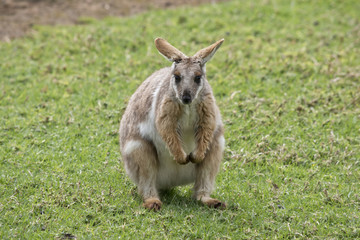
[{"x": 176, "y": 198}]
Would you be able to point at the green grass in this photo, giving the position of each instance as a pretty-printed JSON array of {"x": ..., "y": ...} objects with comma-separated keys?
[{"x": 286, "y": 80}]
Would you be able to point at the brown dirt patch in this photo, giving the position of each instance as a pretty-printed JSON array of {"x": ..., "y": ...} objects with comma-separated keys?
[{"x": 18, "y": 16}]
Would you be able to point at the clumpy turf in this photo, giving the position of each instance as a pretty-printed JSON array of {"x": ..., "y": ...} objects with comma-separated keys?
[{"x": 286, "y": 80}]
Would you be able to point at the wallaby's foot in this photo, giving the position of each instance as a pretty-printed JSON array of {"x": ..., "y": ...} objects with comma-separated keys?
[
  {"x": 213, "y": 203},
  {"x": 152, "y": 204}
]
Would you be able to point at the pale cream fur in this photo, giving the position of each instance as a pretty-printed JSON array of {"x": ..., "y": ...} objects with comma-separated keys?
[{"x": 171, "y": 132}]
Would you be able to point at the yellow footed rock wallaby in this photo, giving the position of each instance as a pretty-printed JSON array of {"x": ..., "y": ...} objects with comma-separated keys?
[{"x": 171, "y": 133}]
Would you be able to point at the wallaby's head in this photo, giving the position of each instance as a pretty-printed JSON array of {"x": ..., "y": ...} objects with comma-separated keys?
[{"x": 188, "y": 73}]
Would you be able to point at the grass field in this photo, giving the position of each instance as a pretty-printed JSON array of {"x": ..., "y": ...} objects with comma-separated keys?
[{"x": 286, "y": 80}]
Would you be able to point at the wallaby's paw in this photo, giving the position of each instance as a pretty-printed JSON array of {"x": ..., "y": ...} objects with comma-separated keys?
[
  {"x": 214, "y": 203},
  {"x": 195, "y": 158},
  {"x": 182, "y": 160},
  {"x": 190, "y": 158},
  {"x": 152, "y": 204}
]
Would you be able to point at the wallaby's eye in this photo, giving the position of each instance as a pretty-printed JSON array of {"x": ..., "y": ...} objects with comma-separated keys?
[
  {"x": 197, "y": 79},
  {"x": 177, "y": 78}
]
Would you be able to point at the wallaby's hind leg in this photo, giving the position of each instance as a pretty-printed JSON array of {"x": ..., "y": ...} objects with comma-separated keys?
[
  {"x": 141, "y": 164},
  {"x": 206, "y": 172}
]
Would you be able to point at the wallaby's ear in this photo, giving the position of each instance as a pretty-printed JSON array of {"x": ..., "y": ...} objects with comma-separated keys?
[
  {"x": 206, "y": 54},
  {"x": 169, "y": 51}
]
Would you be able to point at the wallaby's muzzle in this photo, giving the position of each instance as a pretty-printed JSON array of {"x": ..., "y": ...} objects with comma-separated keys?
[{"x": 186, "y": 97}]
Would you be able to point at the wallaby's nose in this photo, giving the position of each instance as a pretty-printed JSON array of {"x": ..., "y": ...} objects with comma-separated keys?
[{"x": 186, "y": 97}]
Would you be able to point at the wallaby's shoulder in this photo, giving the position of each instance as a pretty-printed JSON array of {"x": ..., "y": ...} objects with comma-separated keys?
[
  {"x": 144, "y": 94},
  {"x": 142, "y": 102},
  {"x": 150, "y": 84}
]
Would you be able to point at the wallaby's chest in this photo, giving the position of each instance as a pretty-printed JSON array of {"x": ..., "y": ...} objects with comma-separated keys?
[
  {"x": 187, "y": 126},
  {"x": 188, "y": 119}
]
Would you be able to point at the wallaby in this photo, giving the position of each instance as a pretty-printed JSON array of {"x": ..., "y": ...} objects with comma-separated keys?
[{"x": 171, "y": 133}]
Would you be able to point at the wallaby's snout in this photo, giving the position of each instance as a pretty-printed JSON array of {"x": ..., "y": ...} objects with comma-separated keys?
[{"x": 186, "y": 97}]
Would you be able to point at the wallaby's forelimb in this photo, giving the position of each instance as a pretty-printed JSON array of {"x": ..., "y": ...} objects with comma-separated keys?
[
  {"x": 166, "y": 124},
  {"x": 205, "y": 128}
]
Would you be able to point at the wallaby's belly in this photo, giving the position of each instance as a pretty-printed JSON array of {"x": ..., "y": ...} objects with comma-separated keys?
[{"x": 170, "y": 173}]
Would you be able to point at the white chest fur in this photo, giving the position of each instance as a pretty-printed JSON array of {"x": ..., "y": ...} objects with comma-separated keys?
[{"x": 187, "y": 126}]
